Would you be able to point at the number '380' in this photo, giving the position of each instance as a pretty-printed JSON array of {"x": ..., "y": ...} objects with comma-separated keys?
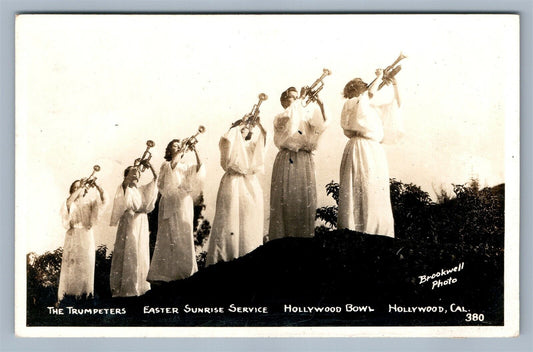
[{"x": 474, "y": 317}]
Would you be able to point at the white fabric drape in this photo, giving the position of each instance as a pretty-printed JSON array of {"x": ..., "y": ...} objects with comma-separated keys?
[
  {"x": 77, "y": 264},
  {"x": 238, "y": 224},
  {"x": 364, "y": 195},
  {"x": 131, "y": 254},
  {"x": 174, "y": 256},
  {"x": 293, "y": 189}
]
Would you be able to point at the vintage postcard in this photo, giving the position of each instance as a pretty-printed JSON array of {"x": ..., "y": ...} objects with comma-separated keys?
[{"x": 267, "y": 175}]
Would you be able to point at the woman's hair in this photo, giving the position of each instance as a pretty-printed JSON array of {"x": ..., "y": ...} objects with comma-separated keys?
[
  {"x": 71, "y": 189},
  {"x": 168, "y": 150},
  {"x": 127, "y": 170},
  {"x": 285, "y": 95},
  {"x": 354, "y": 88}
]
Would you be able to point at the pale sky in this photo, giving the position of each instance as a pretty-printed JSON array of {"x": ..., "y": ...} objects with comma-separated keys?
[{"x": 92, "y": 89}]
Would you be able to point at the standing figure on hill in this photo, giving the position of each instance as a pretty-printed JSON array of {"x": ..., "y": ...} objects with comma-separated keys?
[
  {"x": 238, "y": 224},
  {"x": 364, "y": 195},
  {"x": 80, "y": 213},
  {"x": 174, "y": 256},
  {"x": 293, "y": 190},
  {"x": 131, "y": 254}
]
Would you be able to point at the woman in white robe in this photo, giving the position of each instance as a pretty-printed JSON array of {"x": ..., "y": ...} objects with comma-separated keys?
[
  {"x": 79, "y": 213},
  {"x": 174, "y": 256},
  {"x": 293, "y": 190},
  {"x": 238, "y": 224},
  {"x": 364, "y": 195},
  {"x": 131, "y": 254}
]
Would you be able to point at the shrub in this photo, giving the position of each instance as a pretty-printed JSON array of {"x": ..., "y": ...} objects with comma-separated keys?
[{"x": 471, "y": 216}]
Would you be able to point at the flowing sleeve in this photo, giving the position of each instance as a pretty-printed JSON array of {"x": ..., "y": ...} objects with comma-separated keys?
[
  {"x": 258, "y": 152},
  {"x": 119, "y": 206},
  {"x": 97, "y": 207},
  {"x": 234, "y": 151},
  {"x": 393, "y": 127},
  {"x": 383, "y": 96},
  {"x": 149, "y": 196},
  {"x": 165, "y": 179},
  {"x": 167, "y": 188},
  {"x": 282, "y": 127},
  {"x": 282, "y": 122},
  {"x": 225, "y": 147},
  {"x": 196, "y": 179},
  {"x": 390, "y": 114},
  {"x": 195, "y": 176},
  {"x": 315, "y": 118},
  {"x": 65, "y": 215}
]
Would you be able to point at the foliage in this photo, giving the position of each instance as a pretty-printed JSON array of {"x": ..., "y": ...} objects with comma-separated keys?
[
  {"x": 202, "y": 227},
  {"x": 42, "y": 275},
  {"x": 101, "y": 272},
  {"x": 410, "y": 207},
  {"x": 328, "y": 214},
  {"x": 46, "y": 268},
  {"x": 472, "y": 216},
  {"x": 332, "y": 189}
]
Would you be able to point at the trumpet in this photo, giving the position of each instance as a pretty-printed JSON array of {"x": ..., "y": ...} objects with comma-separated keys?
[
  {"x": 311, "y": 92},
  {"x": 91, "y": 180},
  {"x": 140, "y": 162},
  {"x": 390, "y": 71},
  {"x": 252, "y": 118},
  {"x": 190, "y": 142}
]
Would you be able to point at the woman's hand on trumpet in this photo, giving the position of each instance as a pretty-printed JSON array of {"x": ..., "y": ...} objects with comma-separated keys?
[
  {"x": 236, "y": 123},
  {"x": 321, "y": 106},
  {"x": 240, "y": 121},
  {"x": 147, "y": 165},
  {"x": 373, "y": 86},
  {"x": 390, "y": 80},
  {"x": 304, "y": 91},
  {"x": 100, "y": 191}
]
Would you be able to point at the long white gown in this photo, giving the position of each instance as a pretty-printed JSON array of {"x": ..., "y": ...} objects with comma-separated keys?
[
  {"x": 174, "y": 256},
  {"x": 293, "y": 189},
  {"x": 364, "y": 195},
  {"x": 77, "y": 265},
  {"x": 238, "y": 224},
  {"x": 131, "y": 254}
]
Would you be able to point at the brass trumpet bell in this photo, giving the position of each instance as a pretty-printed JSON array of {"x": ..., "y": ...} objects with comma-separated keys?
[
  {"x": 188, "y": 143},
  {"x": 311, "y": 92},
  {"x": 139, "y": 163}
]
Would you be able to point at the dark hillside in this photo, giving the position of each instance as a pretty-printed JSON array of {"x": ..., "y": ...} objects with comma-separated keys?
[
  {"x": 331, "y": 270},
  {"x": 444, "y": 267}
]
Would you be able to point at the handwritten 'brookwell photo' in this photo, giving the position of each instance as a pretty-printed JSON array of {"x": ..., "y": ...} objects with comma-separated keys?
[{"x": 267, "y": 175}]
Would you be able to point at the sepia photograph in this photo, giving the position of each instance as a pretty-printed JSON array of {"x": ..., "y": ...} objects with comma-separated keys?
[{"x": 267, "y": 175}]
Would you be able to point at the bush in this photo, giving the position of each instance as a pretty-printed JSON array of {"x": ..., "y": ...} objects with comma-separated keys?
[
  {"x": 102, "y": 270},
  {"x": 471, "y": 216},
  {"x": 42, "y": 275}
]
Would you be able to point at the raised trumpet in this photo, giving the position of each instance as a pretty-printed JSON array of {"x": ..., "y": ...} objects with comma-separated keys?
[
  {"x": 91, "y": 180},
  {"x": 140, "y": 162},
  {"x": 190, "y": 142},
  {"x": 311, "y": 92},
  {"x": 251, "y": 119},
  {"x": 390, "y": 71}
]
